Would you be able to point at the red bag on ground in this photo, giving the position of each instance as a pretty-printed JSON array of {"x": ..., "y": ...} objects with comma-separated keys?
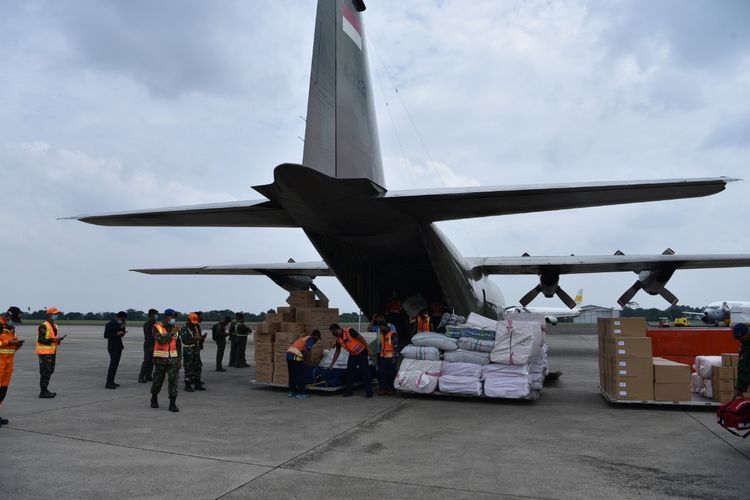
[{"x": 735, "y": 415}]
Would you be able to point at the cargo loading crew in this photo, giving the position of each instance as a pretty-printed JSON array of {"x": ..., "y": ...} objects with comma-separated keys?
[
  {"x": 742, "y": 333},
  {"x": 167, "y": 359},
  {"x": 423, "y": 323},
  {"x": 219, "y": 335},
  {"x": 9, "y": 344},
  {"x": 387, "y": 345},
  {"x": 114, "y": 331},
  {"x": 47, "y": 340},
  {"x": 147, "y": 367},
  {"x": 297, "y": 358},
  {"x": 192, "y": 341},
  {"x": 356, "y": 346}
]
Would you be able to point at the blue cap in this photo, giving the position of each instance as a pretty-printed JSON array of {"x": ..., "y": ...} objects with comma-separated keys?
[
  {"x": 739, "y": 330},
  {"x": 169, "y": 312}
]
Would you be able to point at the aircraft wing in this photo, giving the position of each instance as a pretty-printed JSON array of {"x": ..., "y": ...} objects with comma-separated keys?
[
  {"x": 463, "y": 203},
  {"x": 250, "y": 213},
  {"x": 576, "y": 264},
  {"x": 309, "y": 269}
]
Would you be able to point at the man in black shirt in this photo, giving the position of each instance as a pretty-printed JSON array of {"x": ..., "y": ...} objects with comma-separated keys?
[
  {"x": 113, "y": 332},
  {"x": 147, "y": 367},
  {"x": 219, "y": 334}
]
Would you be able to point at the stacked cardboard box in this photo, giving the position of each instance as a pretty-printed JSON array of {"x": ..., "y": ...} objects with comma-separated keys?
[
  {"x": 724, "y": 377},
  {"x": 625, "y": 359},
  {"x": 671, "y": 381},
  {"x": 274, "y": 336}
]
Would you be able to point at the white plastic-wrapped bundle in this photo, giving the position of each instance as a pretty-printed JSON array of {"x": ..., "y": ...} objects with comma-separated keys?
[
  {"x": 701, "y": 386},
  {"x": 328, "y": 357},
  {"x": 507, "y": 381},
  {"x": 704, "y": 365},
  {"x": 429, "y": 339},
  {"x": 538, "y": 369},
  {"x": 470, "y": 344},
  {"x": 449, "y": 319},
  {"x": 461, "y": 378},
  {"x": 462, "y": 356},
  {"x": 416, "y": 375},
  {"x": 469, "y": 370},
  {"x": 516, "y": 342},
  {"x": 421, "y": 352},
  {"x": 479, "y": 321}
]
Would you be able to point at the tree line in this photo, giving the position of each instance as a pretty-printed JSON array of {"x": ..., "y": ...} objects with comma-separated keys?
[
  {"x": 654, "y": 314},
  {"x": 136, "y": 315}
]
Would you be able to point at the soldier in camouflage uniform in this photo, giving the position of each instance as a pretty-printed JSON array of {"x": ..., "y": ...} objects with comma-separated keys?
[
  {"x": 192, "y": 341},
  {"x": 742, "y": 333},
  {"x": 167, "y": 359}
]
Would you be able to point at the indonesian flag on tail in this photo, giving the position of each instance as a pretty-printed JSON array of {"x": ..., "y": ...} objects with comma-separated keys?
[{"x": 351, "y": 25}]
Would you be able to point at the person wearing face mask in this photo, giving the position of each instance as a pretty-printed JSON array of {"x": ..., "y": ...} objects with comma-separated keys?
[
  {"x": 147, "y": 367},
  {"x": 114, "y": 331},
  {"x": 47, "y": 341},
  {"x": 167, "y": 358},
  {"x": 9, "y": 344}
]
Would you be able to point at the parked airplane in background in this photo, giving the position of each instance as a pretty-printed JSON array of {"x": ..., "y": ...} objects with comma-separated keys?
[
  {"x": 552, "y": 315},
  {"x": 375, "y": 241},
  {"x": 721, "y": 311}
]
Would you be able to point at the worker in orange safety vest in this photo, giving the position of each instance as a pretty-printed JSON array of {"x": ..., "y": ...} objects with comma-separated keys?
[
  {"x": 355, "y": 345},
  {"x": 9, "y": 344},
  {"x": 387, "y": 345},
  {"x": 297, "y": 358},
  {"x": 47, "y": 341}
]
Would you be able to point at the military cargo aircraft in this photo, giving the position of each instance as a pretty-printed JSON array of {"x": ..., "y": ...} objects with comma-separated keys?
[{"x": 374, "y": 240}]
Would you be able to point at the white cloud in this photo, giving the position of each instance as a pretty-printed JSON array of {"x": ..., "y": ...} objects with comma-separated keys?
[{"x": 113, "y": 106}]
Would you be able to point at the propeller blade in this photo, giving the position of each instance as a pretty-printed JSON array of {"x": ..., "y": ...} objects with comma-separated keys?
[
  {"x": 668, "y": 296},
  {"x": 629, "y": 294},
  {"x": 565, "y": 298},
  {"x": 526, "y": 299}
]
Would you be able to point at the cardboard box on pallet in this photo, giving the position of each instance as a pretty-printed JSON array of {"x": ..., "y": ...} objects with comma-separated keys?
[
  {"x": 621, "y": 327},
  {"x": 629, "y": 347},
  {"x": 671, "y": 372},
  {"x": 300, "y": 298},
  {"x": 262, "y": 358},
  {"x": 724, "y": 372},
  {"x": 281, "y": 375},
  {"x": 267, "y": 328},
  {"x": 265, "y": 374},
  {"x": 633, "y": 368},
  {"x": 730, "y": 359},
  {"x": 672, "y": 392},
  {"x": 293, "y": 327},
  {"x": 287, "y": 313},
  {"x": 318, "y": 316},
  {"x": 633, "y": 389},
  {"x": 273, "y": 318},
  {"x": 263, "y": 343}
]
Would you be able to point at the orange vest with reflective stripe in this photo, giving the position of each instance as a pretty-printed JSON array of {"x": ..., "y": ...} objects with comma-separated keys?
[
  {"x": 50, "y": 334},
  {"x": 164, "y": 350},
  {"x": 352, "y": 345},
  {"x": 6, "y": 335},
  {"x": 386, "y": 344},
  {"x": 393, "y": 306},
  {"x": 423, "y": 325},
  {"x": 298, "y": 346}
]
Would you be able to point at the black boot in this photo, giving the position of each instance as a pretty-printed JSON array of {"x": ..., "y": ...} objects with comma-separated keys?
[
  {"x": 188, "y": 387},
  {"x": 154, "y": 401},
  {"x": 46, "y": 394},
  {"x": 172, "y": 405},
  {"x": 141, "y": 380},
  {"x": 199, "y": 386}
]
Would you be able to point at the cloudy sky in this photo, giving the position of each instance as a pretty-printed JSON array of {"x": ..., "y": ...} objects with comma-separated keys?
[{"x": 109, "y": 105}]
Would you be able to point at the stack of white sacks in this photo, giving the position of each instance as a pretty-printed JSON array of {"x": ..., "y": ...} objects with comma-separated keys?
[
  {"x": 499, "y": 359},
  {"x": 701, "y": 377}
]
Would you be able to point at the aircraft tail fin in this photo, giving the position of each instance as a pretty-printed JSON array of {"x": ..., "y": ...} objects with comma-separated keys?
[
  {"x": 579, "y": 297},
  {"x": 341, "y": 136}
]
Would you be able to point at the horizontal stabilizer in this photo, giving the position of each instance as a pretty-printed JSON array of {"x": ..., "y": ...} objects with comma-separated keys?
[
  {"x": 462, "y": 203},
  {"x": 580, "y": 264},
  {"x": 309, "y": 269},
  {"x": 253, "y": 213}
]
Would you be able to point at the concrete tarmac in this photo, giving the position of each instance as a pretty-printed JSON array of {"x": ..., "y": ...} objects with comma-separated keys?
[{"x": 236, "y": 440}]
